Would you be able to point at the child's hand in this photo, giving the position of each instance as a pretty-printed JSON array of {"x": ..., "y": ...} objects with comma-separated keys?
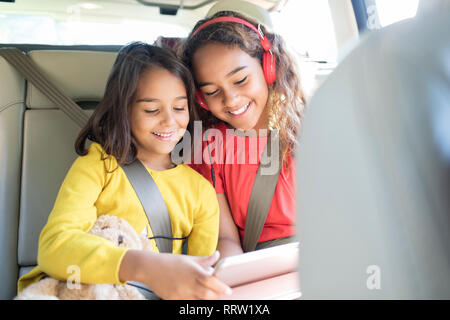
[
  {"x": 172, "y": 276},
  {"x": 186, "y": 277}
]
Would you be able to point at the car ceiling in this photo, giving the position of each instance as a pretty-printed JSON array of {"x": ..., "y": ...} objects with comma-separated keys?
[
  {"x": 112, "y": 11},
  {"x": 195, "y": 4}
]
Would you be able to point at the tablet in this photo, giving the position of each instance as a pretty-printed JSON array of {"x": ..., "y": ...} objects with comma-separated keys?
[
  {"x": 258, "y": 265},
  {"x": 283, "y": 287}
]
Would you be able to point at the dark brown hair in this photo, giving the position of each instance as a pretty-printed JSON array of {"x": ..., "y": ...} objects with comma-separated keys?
[
  {"x": 286, "y": 100},
  {"x": 109, "y": 125}
]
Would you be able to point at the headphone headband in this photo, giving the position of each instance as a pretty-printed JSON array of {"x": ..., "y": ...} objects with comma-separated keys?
[{"x": 228, "y": 19}]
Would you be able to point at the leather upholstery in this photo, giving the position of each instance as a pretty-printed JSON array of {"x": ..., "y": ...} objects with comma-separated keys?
[
  {"x": 12, "y": 90},
  {"x": 81, "y": 75},
  {"x": 37, "y": 149}
]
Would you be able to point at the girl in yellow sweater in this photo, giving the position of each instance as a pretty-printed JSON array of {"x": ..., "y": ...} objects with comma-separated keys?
[{"x": 144, "y": 113}]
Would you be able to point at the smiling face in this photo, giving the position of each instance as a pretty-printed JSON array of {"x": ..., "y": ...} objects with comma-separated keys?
[
  {"x": 233, "y": 85},
  {"x": 159, "y": 114}
]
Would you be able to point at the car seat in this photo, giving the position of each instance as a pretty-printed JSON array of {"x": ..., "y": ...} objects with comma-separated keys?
[
  {"x": 374, "y": 169},
  {"x": 37, "y": 148}
]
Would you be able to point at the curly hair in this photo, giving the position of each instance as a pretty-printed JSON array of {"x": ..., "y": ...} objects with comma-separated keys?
[{"x": 286, "y": 99}]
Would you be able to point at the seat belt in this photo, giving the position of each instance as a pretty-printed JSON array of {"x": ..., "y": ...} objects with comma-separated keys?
[
  {"x": 31, "y": 72},
  {"x": 260, "y": 200},
  {"x": 143, "y": 184},
  {"x": 152, "y": 201}
]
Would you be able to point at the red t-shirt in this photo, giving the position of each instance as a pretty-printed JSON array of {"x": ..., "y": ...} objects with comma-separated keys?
[{"x": 235, "y": 173}]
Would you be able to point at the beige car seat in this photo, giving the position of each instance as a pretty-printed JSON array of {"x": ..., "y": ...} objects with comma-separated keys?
[
  {"x": 374, "y": 169},
  {"x": 37, "y": 149}
]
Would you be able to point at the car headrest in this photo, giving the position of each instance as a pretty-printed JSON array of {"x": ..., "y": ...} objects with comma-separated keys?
[
  {"x": 82, "y": 75},
  {"x": 245, "y": 8},
  {"x": 374, "y": 169}
]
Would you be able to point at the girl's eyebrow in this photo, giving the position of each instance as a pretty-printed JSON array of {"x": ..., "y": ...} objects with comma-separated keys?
[
  {"x": 235, "y": 70},
  {"x": 155, "y": 100},
  {"x": 229, "y": 74},
  {"x": 147, "y": 100}
]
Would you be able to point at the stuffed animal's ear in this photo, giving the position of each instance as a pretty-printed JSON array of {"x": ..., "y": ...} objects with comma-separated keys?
[{"x": 117, "y": 230}]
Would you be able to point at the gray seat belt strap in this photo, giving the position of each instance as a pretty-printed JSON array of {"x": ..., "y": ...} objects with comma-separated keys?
[
  {"x": 153, "y": 204},
  {"x": 260, "y": 199},
  {"x": 30, "y": 71}
]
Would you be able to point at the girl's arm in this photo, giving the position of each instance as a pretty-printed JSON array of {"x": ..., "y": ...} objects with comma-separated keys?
[
  {"x": 204, "y": 234},
  {"x": 173, "y": 276},
  {"x": 65, "y": 242},
  {"x": 229, "y": 241},
  {"x": 180, "y": 276}
]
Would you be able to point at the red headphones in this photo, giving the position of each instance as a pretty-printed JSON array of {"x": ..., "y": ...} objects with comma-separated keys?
[{"x": 268, "y": 62}]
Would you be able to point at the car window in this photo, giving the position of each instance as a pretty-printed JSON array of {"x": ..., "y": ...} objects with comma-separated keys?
[
  {"x": 305, "y": 25},
  {"x": 376, "y": 14},
  {"x": 390, "y": 11},
  {"x": 308, "y": 28},
  {"x": 84, "y": 23}
]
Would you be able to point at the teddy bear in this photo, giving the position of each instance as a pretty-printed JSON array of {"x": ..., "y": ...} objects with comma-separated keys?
[{"x": 112, "y": 228}]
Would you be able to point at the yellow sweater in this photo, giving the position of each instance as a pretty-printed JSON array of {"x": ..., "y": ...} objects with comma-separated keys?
[{"x": 92, "y": 188}]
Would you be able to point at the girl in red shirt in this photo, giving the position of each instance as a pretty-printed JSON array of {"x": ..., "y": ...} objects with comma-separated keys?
[{"x": 247, "y": 86}]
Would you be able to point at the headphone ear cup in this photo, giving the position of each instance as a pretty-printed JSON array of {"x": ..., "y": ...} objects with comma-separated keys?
[
  {"x": 200, "y": 100},
  {"x": 269, "y": 67}
]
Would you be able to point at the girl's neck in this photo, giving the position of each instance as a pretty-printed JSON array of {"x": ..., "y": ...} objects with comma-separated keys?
[
  {"x": 263, "y": 123},
  {"x": 158, "y": 162}
]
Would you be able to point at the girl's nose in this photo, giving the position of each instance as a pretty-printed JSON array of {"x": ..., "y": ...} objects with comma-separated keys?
[
  {"x": 167, "y": 117},
  {"x": 230, "y": 98}
]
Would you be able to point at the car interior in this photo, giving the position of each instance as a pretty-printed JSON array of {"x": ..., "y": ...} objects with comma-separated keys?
[{"x": 370, "y": 146}]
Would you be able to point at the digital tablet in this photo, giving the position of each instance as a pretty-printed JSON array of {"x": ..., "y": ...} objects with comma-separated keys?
[{"x": 258, "y": 265}]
